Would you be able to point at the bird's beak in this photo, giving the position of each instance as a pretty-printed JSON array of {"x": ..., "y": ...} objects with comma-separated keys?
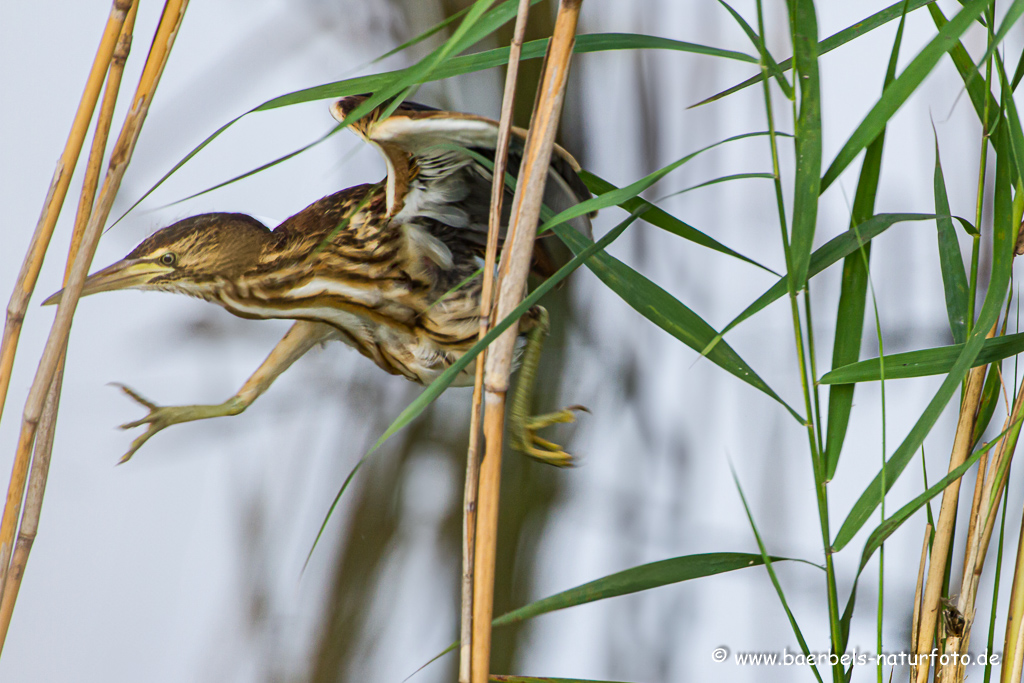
[{"x": 125, "y": 274}]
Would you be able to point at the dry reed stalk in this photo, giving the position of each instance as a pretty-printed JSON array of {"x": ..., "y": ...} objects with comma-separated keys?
[
  {"x": 29, "y": 525},
  {"x": 962, "y": 443},
  {"x": 1013, "y": 648},
  {"x": 916, "y": 618},
  {"x": 59, "y": 184},
  {"x": 989, "y": 490},
  {"x": 976, "y": 507},
  {"x": 515, "y": 264},
  {"x": 486, "y": 301},
  {"x": 56, "y": 343},
  {"x": 33, "y": 262}
]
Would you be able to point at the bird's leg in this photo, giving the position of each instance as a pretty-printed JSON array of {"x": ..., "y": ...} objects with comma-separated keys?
[
  {"x": 522, "y": 425},
  {"x": 300, "y": 338}
]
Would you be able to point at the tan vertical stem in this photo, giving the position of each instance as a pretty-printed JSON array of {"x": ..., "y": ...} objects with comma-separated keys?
[
  {"x": 517, "y": 255},
  {"x": 37, "y": 249},
  {"x": 916, "y": 618},
  {"x": 486, "y": 301},
  {"x": 55, "y": 197},
  {"x": 962, "y": 443},
  {"x": 976, "y": 509},
  {"x": 29, "y": 525},
  {"x": 1013, "y": 653},
  {"x": 52, "y": 353}
]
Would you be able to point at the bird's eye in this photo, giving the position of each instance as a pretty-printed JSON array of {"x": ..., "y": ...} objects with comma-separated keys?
[{"x": 168, "y": 259}]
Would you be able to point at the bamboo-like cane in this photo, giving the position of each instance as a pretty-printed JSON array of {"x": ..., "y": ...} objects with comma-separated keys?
[
  {"x": 59, "y": 184},
  {"x": 1013, "y": 652},
  {"x": 515, "y": 264},
  {"x": 486, "y": 302},
  {"x": 988, "y": 495},
  {"x": 962, "y": 442},
  {"x": 916, "y": 617},
  {"x": 166, "y": 32},
  {"x": 33, "y": 262},
  {"x": 29, "y": 525}
]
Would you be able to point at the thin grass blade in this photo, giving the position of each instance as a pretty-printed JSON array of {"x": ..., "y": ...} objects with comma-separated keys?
[
  {"x": 721, "y": 179},
  {"x": 666, "y": 221},
  {"x": 636, "y": 579},
  {"x": 437, "y": 387},
  {"x": 925, "y": 362},
  {"x": 853, "y": 291},
  {"x": 954, "y": 277},
  {"x": 768, "y": 563},
  {"x": 848, "y": 34},
  {"x": 887, "y": 528},
  {"x": 771, "y": 64},
  {"x": 901, "y": 89},
  {"x": 667, "y": 312},
  {"x": 1004, "y": 236},
  {"x": 531, "y": 679},
  {"x": 807, "y": 179},
  {"x": 973, "y": 81},
  {"x": 826, "y": 255},
  {"x": 388, "y": 84}
]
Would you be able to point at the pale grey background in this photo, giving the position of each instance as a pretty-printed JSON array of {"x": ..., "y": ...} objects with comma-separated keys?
[{"x": 149, "y": 571}]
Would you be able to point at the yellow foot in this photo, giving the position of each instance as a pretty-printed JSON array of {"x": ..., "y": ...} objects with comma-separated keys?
[
  {"x": 161, "y": 417},
  {"x": 525, "y": 439}
]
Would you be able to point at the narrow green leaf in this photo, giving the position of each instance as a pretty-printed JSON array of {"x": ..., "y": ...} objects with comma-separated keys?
[
  {"x": 880, "y": 18},
  {"x": 532, "y": 679},
  {"x": 770, "y": 63},
  {"x": 887, "y": 528},
  {"x": 436, "y": 28},
  {"x": 414, "y": 409},
  {"x": 826, "y": 255},
  {"x": 891, "y": 524},
  {"x": 389, "y": 83},
  {"x": 807, "y": 179},
  {"x": 769, "y": 563},
  {"x": 1018, "y": 73},
  {"x": 1011, "y": 17},
  {"x": 621, "y": 196},
  {"x": 1012, "y": 118},
  {"x": 471, "y": 30},
  {"x": 635, "y": 579},
  {"x": 989, "y": 401},
  {"x": 721, "y": 179},
  {"x": 451, "y": 648},
  {"x": 667, "y": 312},
  {"x": 1004, "y": 236},
  {"x": 664, "y": 220},
  {"x": 954, "y": 277},
  {"x": 904, "y": 85},
  {"x": 934, "y": 361},
  {"x": 853, "y": 291},
  {"x": 489, "y": 59},
  {"x": 973, "y": 81}
]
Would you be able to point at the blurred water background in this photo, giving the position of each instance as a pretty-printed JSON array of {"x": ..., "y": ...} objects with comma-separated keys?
[{"x": 186, "y": 563}]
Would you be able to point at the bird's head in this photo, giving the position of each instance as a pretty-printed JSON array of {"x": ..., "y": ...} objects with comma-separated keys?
[{"x": 189, "y": 257}]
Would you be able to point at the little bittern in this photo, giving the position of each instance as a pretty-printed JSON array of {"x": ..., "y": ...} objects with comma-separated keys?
[{"x": 391, "y": 269}]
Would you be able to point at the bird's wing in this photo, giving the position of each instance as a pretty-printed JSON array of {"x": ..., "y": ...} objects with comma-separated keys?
[{"x": 431, "y": 174}]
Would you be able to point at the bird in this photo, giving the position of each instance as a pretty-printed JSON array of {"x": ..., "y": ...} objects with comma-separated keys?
[{"x": 392, "y": 269}]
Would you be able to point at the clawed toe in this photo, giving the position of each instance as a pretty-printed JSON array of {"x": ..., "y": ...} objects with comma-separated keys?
[
  {"x": 138, "y": 398},
  {"x": 161, "y": 417},
  {"x": 156, "y": 419},
  {"x": 526, "y": 440}
]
